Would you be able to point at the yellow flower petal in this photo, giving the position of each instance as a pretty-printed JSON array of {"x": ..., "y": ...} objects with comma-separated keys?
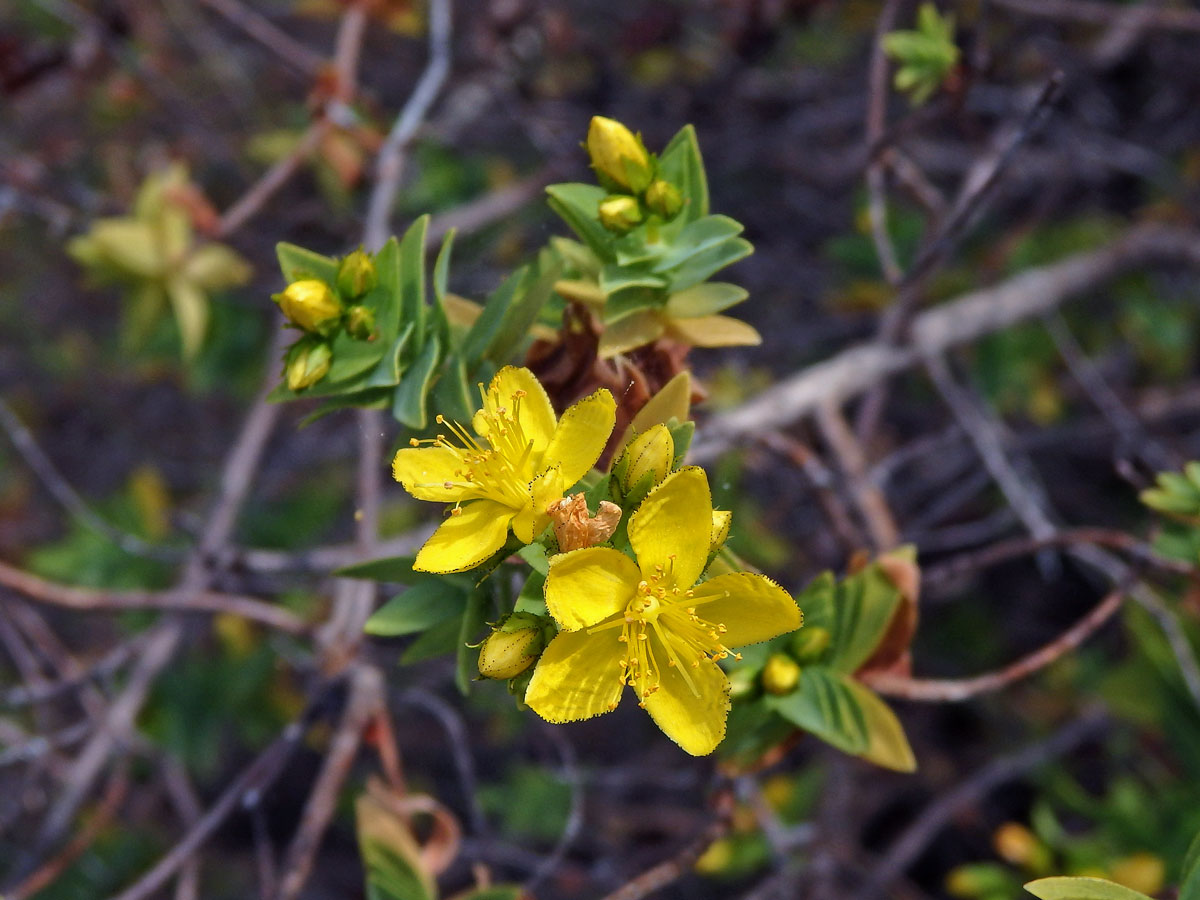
[
  {"x": 714, "y": 331},
  {"x": 690, "y": 711},
  {"x": 578, "y": 676},
  {"x": 535, "y": 415},
  {"x": 581, "y": 434},
  {"x": 752, "y": 608},
  {"x": 587, "y": 586},
  {"x": 425, "y": 472},
  {"x": 532, "y": 519},
  {"x": 467, "y": 539},
  {"x": 673, "y": 527}
]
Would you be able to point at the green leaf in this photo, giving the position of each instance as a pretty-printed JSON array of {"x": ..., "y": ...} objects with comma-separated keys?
[
  {"x": 706, "y": 299},
  {"x": 472, "y": 623},
  {"x": 705, "y": 263},
  {"x": 411, "y": 260},
  {"x": 477, "y": 341},
  {"x": 451, "y": 394},
  {"x": 409, "y": 406},
  {"x": 681, "y": 164},
  {"x": 695, "y": 238},
  {"x": 190, "y": 305},
  {"x": 437, "y": 640},
  {"x": 385, "y": 297},
  {"x": 426, "y": 603},
  {"x": 535, "y": 555},
  {"x": 530, "y": 293},
  {"x": 847, "y": 715},
  {"x": 579, "y": 206},
  {"x": 440, "y": 324},
  {"x": 495, "y": 892},
  {"x": 390, "y": 369},
  {"x": 1064, "y": 887},
  {"x": 296, "y": 263},
  {"x": 614, "y": 278},
  {"x": 392, "y": 568},
  {"x": 390, "y": 855},
  {"x": 856, "y": 613},
  {"x": 1189, "y": 879}
]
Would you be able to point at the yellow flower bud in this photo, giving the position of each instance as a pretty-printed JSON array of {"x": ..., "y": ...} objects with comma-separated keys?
[
  {"x": 511, "y": 648},
  {"x": 360, "y": 322},
  {"x": 808, "y": 644},
  {"x": 620, "y": 214},
  {"x": 618, "y": 155},
  {"x": 311, "y": 305},
  {"x": 1019, "y": 846},
  {"x": 307, "y": 362},
  {"x": 356, "y": 275},
  {"x": 650, "y": 453},
  {"x": 664, "y": 198},
  {"x": 781, "y": 674}
]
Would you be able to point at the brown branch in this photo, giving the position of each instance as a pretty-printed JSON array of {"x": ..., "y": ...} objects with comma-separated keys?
[
  {"x": 44, "y": 875},
  {"x": 867, "y": 496},
  {"x": 90, "y": 599},
  {"x": 286, "y": 47},
  {"x": 971, "y": 316},
  {"x": 365, "y": 700},
  {"x": 955, "y": 690},
  {"x": 877, "y": 96},
  {"x": 967, "y": 563},
  {"x": 659, "y": 876},
  {"x": 1093, "y": 12},
  {"x": 907, "y": 848}
]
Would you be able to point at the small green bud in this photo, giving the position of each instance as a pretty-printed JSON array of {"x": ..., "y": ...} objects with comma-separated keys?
[
  {"x": 360, "y": 322},
  {"x": 741, "y": 683},
  {"x": 306, "y": 363},
  {"x": 781, "y": 674},
  {"x": 311, "y": 305},
  {"x": 810, "y": 642},
  {"x": 618, "y": 155},
  {"x": 664, "y": 198},
  {"x": 356, "y": 275},
  {"x": 620, "y": 213},
  {"x": 515, "y": 643}
]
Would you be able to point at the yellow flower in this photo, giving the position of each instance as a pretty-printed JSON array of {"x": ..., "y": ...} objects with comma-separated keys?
[
  {"x": 519, "y": 461},
  {"x": 650, "y": 625}
]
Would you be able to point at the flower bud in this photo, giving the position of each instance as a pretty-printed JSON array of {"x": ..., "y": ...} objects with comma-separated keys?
[
  {"x": 1016, "y": 844},
  {"x": 306, "y": 363},
  {"x": 808, "y": 644},
  {"x": 618, "y": 156},
  {"x": 311, "y": 305},
  {"x": 515, "y": 642},
  {"x": 620, "y": 214},
  {"x": 664, "y": 198},
  {"x": 780, "y": 675},
  {"x": 356, "y": 275},
  {"x": 650, "y": 453},
  {"x": 360, "y": 322}
]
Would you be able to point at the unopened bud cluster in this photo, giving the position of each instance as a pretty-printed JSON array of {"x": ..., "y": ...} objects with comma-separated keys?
[
  {"x": 321, "y": 311},
  {"x": 625, "y": 167}
]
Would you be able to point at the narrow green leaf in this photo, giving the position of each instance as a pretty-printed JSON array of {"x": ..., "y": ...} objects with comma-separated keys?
[
  {"x": 536, "y": 287},
  {"x": 847, "y": 715},
  {"x": 1064, "y": 887},
  {"x": 390, "y": 368},
  {"x": 384, "y": 298},
  {"x": 409, "y": 406},
  {"x": 695, "y": 238},
  {"x": 296, "y": 263},
  {"x": 1189, "y": 879},
  {"x": 681, "y": 164},
  {"x": 476, "y": 341},
  {"x": 412, "y": 275},
  {"x": 392, "y": 568},
  {"x": 856, "y": 612},
  {"x": 614, "y": 278},
  {"x": 472, "y": 623},
  {"x": 705, "y": 263},
  {"x": 437, "y": 640},
  {"x": 390, "y": 855},
  {"x": 426, "y": 603},
  {"x": 579, "y": 206},
  {"x": 705, "y": 299}
]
